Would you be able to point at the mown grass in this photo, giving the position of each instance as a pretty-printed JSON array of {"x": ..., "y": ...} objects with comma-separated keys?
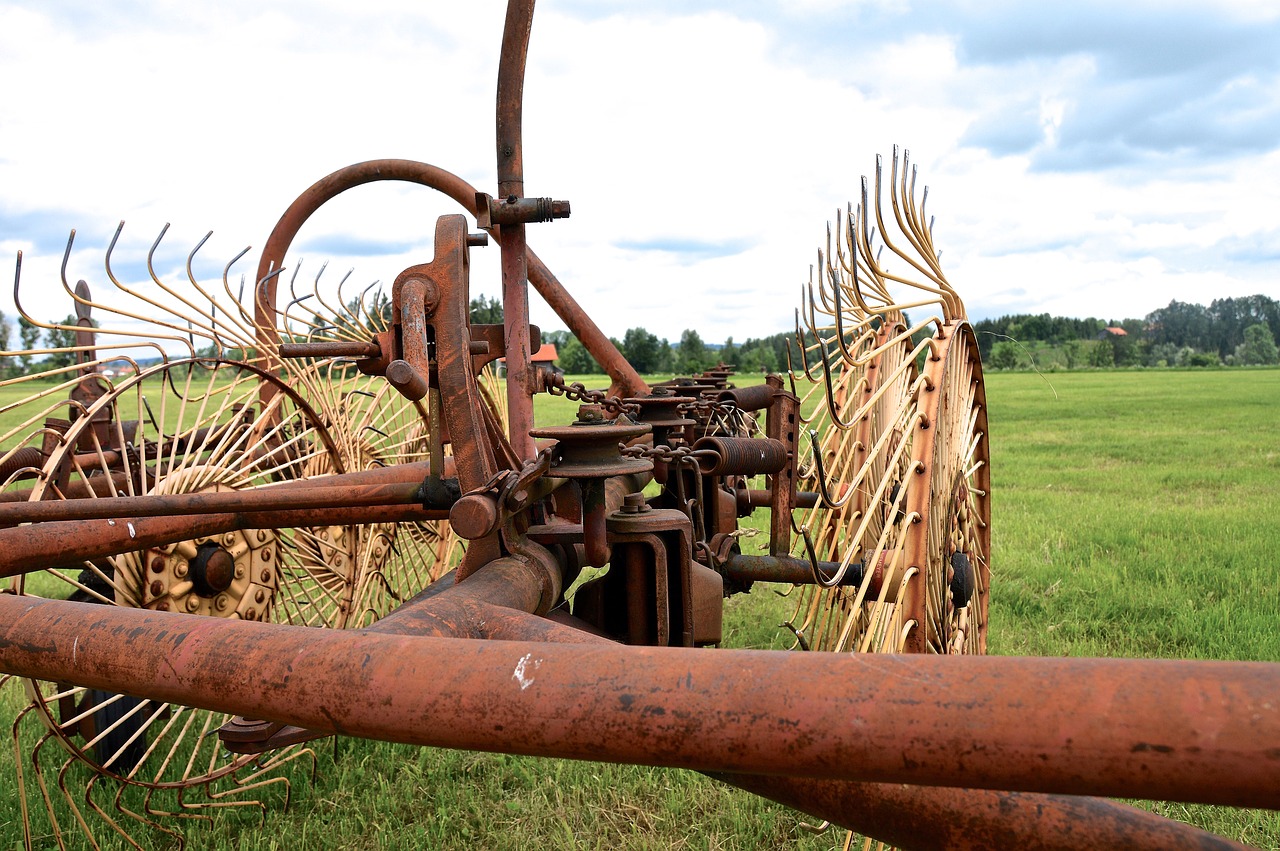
[{"x": 1135, "y": 514}]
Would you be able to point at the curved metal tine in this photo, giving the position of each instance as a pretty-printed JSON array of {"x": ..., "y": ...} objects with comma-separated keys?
[
  {"x": 813, "y": 562},
  {"x": 218, "y": 343},
  {"x": 260, "y": 297},
  {"x": 922, "y": 238},
  {"x": 382, "y": 321},
  {"x": 212, "y": 334},
  {"x": 820, "y": 473},
  {"x": 893, "y": 203},
  {"x": 800, "y": 344},
  {"x": 342, "y": 315},
  {"x": 853, "y": 251},
  {"x": 334, "y": 313},
  {"x": 179, "y": 338},
  {"x": 237, "y": 298},
  {"x": 17, "y": 279},
  {"x": 942, "y": 289}
]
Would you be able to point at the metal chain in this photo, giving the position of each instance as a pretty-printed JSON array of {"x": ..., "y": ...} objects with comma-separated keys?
[
  {"x": 578, "y": 392},
  {"x": 668, "y": 454}
]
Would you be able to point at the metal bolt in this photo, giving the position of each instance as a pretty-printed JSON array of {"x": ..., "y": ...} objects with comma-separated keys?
[
  {"x": 266, "y": 576},
  {"x": 157, "y": 564},
  {"x": 591, "y": 414},
  {"x": 157, "y": 588},
  {"x": 260, "y": 596},
  {"x": 193, "y": 603},
  {"x": 634, "y": 503}
]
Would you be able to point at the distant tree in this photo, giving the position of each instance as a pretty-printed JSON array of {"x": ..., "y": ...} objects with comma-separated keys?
[
  {"x": 642, "y": 350},
  {"x": 486, "y": 311},
  {"x": 729, "y": 352},
  {"x": 29, "y": 336},
  {"x": 62, "y": 339},
  {"x": 4, "y": 333},
  {"x": 691, "y": 354},
  {"x": 1102, "y": 353},
  {"x": 575, "y": 359},
  {"x": 666, "y": 357},
  {"x": 1259, "y": 346},
  {"x": 1004, "y": 355}
]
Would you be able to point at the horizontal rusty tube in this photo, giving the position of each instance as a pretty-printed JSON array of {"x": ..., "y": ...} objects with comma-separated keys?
[
  {"x": 930, "y": 817},
  {"x": 27, "y": 549},
  {"x": 267, "y": 498},
  {"x": 796, "y": 571},
  {"x": 1171, "y": 730},
  {"x": 331, "y": 349},
  {"x": 756, "y": 498}
]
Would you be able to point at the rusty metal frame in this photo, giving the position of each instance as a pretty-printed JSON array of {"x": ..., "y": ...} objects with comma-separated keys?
[{"x": 915, "y": 749}]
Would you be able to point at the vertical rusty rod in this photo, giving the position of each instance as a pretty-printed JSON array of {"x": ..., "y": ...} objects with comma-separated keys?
[{"x": 511, "y": 238}]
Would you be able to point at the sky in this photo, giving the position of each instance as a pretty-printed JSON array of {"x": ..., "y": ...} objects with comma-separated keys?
[{"x": 1084, "y": 158}]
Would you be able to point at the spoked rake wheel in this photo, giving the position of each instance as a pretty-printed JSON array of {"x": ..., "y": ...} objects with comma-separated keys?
[
  {"x": 898, "y": 452},
  {"x": 201, "y": 428}
]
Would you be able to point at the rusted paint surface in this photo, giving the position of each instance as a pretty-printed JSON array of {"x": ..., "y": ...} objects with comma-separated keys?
[
  {"x": 1171, "y": 730},
  {"x": 924, "y": 818}
]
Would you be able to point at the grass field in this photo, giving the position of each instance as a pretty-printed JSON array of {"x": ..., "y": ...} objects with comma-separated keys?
[{"x": 1135, "y": 514}]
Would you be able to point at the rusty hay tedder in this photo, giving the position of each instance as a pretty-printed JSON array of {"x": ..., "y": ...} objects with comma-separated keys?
[{"x": 324, "y": 518}]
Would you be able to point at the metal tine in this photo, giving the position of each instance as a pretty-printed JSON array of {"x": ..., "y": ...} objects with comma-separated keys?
[
  {"x": 238, "y": 298},
  {"x": 820, "y": 476},
  {"x": 235, "y": 331},
  {"x": 800, "y": 344},
  {"x": 897, "y": 213},
  {"x": 335, "y": 313},
  {"x": 944, "y": 289},
  {"x": 76, "y": 368},
  {"x": 116, "y": 282},
  {"x": 211, "y": 334},
  {"x": 923, "y": 239}
]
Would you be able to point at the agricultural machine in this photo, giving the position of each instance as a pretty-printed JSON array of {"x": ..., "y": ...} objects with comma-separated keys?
[{"x": 325, "y": 517}]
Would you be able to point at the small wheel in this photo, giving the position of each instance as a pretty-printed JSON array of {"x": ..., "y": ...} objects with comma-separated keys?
[{"x": 201, "y": 429}]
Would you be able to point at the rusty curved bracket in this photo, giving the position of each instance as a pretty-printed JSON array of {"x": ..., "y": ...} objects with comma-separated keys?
[{"x": 626, "y": 381}]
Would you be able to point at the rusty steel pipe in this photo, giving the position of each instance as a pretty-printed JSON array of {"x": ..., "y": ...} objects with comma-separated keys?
[
  {"x": 267, "y": 498},
  {"x": 511, "y": 237},
  {"x": 931, "y": 817},
  {"x": 1172, "y": 730},
  {"x": 28, "y": 549}
]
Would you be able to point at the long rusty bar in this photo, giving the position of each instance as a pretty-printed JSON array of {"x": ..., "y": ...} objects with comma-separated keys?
[
  {"x": 27, "y": 549},
  {"x": 321, "y": 494},
  {"x": 511, "y": 237},
  {"x": 931, "y": 817},
  {"x": 1162, "y": 729}
]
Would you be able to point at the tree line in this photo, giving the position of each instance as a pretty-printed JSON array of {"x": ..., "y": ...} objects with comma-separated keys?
[{"x": 1229, "y": 331}]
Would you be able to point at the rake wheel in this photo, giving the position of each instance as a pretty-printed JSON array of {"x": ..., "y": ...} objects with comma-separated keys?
[{"x": 202, "y": 430}]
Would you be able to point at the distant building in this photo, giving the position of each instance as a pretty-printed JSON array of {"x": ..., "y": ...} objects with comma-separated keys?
[
  {"x": 1112, "y": 331},
  {"x": 546, "y": 355}
]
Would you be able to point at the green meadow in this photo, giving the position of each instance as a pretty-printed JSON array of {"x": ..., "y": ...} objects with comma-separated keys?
[{"x": 1136, "y": 513}]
